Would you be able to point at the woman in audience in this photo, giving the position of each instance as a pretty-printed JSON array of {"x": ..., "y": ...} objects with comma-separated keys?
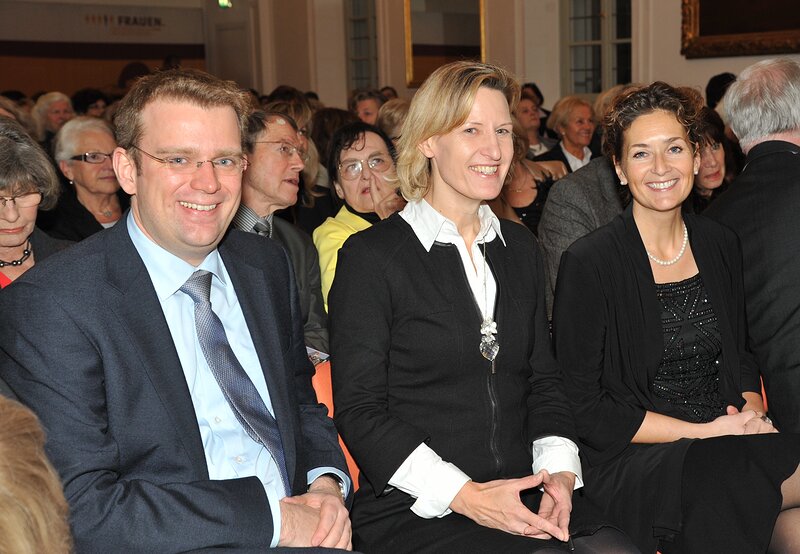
[
  {"x": 27, "y": 182},
  {"x": 391, "y": 117},
  {"x": 525, "y": 190},
  {"x": 445, "y": 387},
  {"x": 717, "y": 164},
  {"x": 573, "y": 119},
  {"x": 361, "y": 163},
  {"x": 89, "y": 101},
  {"x": 49, "y": 114},
  {"x": 650, "y": 332},
  {"x": 527, "y": 113},
  {"x": 94, "y": 200},
  {"x": 33, "y": 512},
  {"x": 365, "y": 104}
]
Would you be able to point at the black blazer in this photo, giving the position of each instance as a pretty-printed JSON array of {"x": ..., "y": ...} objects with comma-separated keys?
[
  {"x": 406, "y": 365},
  {"x": 608, "y": 335},
  {"x": 70, "y": 220},
  {"x": 761, "y": 207},
  {"x": 84, "y": 342},
  {"x": 556, "y": 154}
]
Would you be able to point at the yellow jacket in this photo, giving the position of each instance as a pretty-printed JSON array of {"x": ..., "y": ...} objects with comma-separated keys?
[{"x": 329, "y": 238}]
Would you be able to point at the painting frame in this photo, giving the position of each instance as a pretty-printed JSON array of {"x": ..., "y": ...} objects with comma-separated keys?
[
  {"x": 695, "y": 45},
  {"x": 414, "y": 75}
]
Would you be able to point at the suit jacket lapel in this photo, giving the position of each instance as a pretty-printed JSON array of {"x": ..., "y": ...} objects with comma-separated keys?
[
  {"x": 135, "y": 302},
  {"x": 256, "y": 296}
]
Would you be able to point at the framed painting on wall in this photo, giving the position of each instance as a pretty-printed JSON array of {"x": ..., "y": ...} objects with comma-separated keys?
[
  {"x": 439, "y": 32},
  {"x": 716, "y": 28}
]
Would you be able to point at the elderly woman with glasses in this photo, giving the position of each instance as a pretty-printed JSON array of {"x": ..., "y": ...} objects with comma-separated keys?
[
  {"x": 361, "y": 164},
  {"x": 94, "y": 200},
  {"x": 27, "y": 182}
]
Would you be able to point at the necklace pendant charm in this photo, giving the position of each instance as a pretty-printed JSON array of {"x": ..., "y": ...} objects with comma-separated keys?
[{"x": 489, "y": 347}]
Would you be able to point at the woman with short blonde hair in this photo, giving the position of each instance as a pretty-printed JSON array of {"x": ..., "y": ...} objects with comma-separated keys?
[
  {"x": 447, "y": 393},
  {"x": 572, "y": 119}
]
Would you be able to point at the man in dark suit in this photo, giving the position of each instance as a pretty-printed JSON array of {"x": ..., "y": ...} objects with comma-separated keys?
[
  {"x": 761, "y": 206},
  {"x": 177, "y": 424},
  {"x": 271, "y": 183}
]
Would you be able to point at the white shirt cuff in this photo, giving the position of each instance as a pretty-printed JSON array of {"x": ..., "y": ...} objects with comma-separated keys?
[
  {"x": 557, "y": 454},
  {"x": 312, "y": 475},
  {"x": 429, "y": 479}
]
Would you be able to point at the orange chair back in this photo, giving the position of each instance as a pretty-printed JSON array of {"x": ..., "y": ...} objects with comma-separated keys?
[{"x": 322, "y": 385}]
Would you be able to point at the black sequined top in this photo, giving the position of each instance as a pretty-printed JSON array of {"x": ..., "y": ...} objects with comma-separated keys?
[{"x": 688, "y": 376}]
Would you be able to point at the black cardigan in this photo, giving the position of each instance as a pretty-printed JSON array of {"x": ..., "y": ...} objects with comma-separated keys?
[
  {"x": 608, "y": 335},
  {"x": 405, "y": 331}
]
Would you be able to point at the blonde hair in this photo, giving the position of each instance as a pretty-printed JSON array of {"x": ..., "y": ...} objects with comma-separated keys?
[
  {"x": 559, "y": 117},
  {"x": 391, "y": 116},
  {"x": 442, "y": 103},
  {"x": 33, "y": 512},
  {"x": 39, "y": 111}
]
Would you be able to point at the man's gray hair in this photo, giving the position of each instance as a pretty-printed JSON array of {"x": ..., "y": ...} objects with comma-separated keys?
[{"x": 764, "y": 101}]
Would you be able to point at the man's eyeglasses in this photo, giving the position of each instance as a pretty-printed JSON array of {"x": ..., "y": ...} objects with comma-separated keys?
[
  {"x": 27, "y": 200},
  {"x": 92, "y": 157},
  {"x": 286, "y": 149},
  {"x": 351, "y": 169},
  {"x": 183, "y": 165}
]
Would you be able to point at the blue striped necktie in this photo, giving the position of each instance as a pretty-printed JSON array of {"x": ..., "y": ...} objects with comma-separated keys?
[{"x": 238, "y": 389}]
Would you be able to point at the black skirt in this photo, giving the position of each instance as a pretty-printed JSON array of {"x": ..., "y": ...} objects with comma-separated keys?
[{"x": 721, "y": 494}]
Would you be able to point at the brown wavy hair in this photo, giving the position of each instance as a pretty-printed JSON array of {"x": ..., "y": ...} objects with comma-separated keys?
[{"x": 683, "y": 102}]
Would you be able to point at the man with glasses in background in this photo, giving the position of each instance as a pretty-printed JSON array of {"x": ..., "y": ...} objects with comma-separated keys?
[
  {"x": 275, "y": 159},
  {"x": 167, "y": 364}
]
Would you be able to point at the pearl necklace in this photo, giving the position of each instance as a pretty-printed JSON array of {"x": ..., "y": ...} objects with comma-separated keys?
[
  {"x": 674, "y": 260},
  {"x": 25, "y": 255}
]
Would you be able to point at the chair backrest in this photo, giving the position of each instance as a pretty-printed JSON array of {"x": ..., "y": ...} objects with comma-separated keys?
[{"x": 322, "y": 385}]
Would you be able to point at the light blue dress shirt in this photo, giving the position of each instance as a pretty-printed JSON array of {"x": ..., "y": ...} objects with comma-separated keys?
[{"x": 229, "y": 450}]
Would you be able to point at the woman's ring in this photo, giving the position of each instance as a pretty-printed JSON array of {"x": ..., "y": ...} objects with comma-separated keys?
[{"x": 766, "y": 419}]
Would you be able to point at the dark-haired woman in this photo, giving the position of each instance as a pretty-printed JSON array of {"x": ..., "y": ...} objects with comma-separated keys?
[
  {"x": 361, "y": 166},
  {"x": 718, "y": 165},
  {"x": 650, "y": 332}
]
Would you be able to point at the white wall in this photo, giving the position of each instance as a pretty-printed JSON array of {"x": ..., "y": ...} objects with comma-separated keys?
[
  {"x": 656, "y": 36},
  {"x": 542, "y": 54},
  {"x": 660, "y": 31}
]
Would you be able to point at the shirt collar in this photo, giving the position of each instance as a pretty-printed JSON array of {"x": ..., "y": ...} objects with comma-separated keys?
[
  {"x": 430, "y": 226},
  {"x": 167, "y": 271},
  {"x": 574, "y": 162},
  {"x": 245, "y": 219}
]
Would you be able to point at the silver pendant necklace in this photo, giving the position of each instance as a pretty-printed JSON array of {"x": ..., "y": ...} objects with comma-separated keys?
[{"x": 489, "y": 345}]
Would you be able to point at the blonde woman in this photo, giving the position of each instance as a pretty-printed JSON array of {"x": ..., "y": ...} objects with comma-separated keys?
[
  {"x": 573, "y": 119},
  {"x": 446, "y": 392}
]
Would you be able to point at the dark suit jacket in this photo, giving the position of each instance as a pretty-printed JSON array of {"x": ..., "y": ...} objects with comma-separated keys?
[
  {"x": 576, "y": 205},
  {"x": 556, "y": 154},
  {"x": 84, "y": 342},
  {"x": 43, "y": 246},
  {"x": 761, "y": 206},
  {"x": 305, "y": 261}
]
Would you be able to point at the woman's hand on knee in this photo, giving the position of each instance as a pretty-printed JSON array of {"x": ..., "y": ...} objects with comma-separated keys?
[{"x": 497, "y": 504}]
